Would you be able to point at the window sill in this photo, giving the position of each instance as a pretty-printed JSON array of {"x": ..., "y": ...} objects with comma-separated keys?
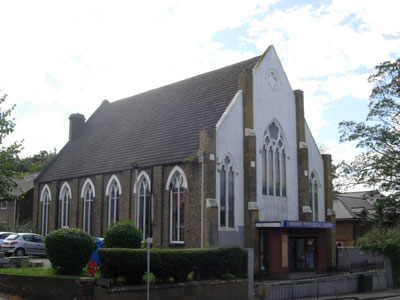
[
  {"x": 176, "y": 244},
  {"x": 270, "y": 197},
  {"x": 228, "y": 229}
]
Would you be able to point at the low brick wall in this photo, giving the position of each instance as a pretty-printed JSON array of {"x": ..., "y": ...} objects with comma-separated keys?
[
  {"x": 210, "y": 290},
  {"x": 47, "y": 288},
  {"x": 317, "y": 287},
  {"x": 353, "y": 259}
]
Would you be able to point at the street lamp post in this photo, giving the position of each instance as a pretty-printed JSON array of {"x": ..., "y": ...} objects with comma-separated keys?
[{"x": 149, "y": 241}]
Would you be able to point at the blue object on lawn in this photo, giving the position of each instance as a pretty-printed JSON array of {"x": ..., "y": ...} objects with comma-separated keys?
[{"x": 95, "y": 255}]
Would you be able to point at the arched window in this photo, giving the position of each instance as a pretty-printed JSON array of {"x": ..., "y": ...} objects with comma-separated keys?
[
  {"x": 143, "y": 205},
  {"x": 113, "y": 192},
  {"x": 87, "y": 196},
  {"x": 65, "y": 198},
  {"x": 176, "y": 184},
  {"x": 45, "y": 198},
  {"x": 313, "y": 195},
  {"x": 273, "y": 162},
  {"x": 226, "y": 193}
]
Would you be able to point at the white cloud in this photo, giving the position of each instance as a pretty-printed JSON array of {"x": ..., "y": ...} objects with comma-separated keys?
[
  {"x": 341, "y": 151},
  {"x": 41, "y": 132},
  {"x": 68, "y": 56}
]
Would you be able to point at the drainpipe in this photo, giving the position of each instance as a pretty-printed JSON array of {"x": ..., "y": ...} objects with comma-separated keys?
[
  {"x": 15, "y": 215},
  {"x": 201, "y": 160},
  {"x": 135, "y": 166},
  {"x": 150, "y": 221}
]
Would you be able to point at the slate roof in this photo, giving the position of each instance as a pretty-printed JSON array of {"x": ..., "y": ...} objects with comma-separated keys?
[
  {"x": 340, "y": 210},
  {"x": 351, "y": 205},
  {"x": 156, "y": 127},
  {"x": 24, "y": 184}
]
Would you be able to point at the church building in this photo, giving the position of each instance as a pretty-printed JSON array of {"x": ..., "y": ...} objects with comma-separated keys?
[{"x": 222, "y": 158}]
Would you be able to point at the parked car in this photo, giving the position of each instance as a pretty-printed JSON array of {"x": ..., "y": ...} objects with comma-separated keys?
[
  {"x": 22, "y": 244},
  {"x": 3, "y": 236}
]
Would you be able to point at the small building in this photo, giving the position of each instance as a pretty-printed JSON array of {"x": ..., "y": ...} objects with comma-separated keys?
[
  {"x": 222, "y": 158},
  {"x": 354, "y": 213},
  {"x": 18, "y": 210}
]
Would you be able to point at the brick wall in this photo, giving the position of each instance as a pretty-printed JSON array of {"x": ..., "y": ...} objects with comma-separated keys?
[
  {"x": 345, "y": 232},
  {"x": 161, "y": 201},
  {"x": 302, "y": 157},
  {"x": 7, "y": 214}
]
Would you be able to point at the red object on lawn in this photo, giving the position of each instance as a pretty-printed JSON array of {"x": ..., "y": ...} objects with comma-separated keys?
[{"x": 91, "y": 267}]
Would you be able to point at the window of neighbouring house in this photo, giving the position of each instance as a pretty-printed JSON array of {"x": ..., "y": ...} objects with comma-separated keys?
[
  {"x": 88, "y": 197},
  {"x": 3, "y": 205},
  {"x": 273, "y": 157},
  {"x": 227, "y": 193},
  {"x": 45, "y": 199},
  {"x": 65, "y": 198},
  {"x": 113, "y": 192},
  {"x": 143, "y": 205},
  {"x": 177, "y": 184}
]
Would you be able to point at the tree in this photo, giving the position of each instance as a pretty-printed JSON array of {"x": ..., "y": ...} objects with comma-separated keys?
[
  {"x": 8, "y": 154},
  {"x": 379, "y": 136},
  {"x": 36, "y": 162}
]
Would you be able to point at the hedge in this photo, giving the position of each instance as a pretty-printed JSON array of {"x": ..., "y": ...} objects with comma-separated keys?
[{"x": 176, "y": 265}]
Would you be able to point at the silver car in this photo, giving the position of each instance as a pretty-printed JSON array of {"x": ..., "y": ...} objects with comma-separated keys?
[
  {"x": 3, "y": 236},
  {"x": 22, "y": 244}
]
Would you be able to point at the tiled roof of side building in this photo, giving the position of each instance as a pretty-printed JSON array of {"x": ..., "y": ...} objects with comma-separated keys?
[{"x": 156, "y": 127}]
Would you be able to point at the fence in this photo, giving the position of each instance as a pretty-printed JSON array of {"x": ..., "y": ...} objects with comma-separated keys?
[{"x": 315, "y": 288}]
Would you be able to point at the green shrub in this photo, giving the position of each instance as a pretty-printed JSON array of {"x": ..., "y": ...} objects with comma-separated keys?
[
  {"x": 69, "y": 250},
  {"x": 167, "y": 264},
  {"x": 122, "y": 235}
]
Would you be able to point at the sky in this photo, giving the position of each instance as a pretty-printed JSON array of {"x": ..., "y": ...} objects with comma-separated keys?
[{"x": 64, "y": 57}]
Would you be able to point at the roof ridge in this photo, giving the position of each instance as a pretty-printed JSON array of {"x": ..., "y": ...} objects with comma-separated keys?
[{"x": 187, "y": 79}]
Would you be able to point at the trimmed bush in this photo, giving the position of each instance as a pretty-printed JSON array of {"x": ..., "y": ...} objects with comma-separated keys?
[
  {"x": 122, "y": 235},
  {"x": 176, "y": 264},
  {"x": 127, "y": 263},
  {"x": 167, "y": 264},
  {"x": 69, "y": 250}
]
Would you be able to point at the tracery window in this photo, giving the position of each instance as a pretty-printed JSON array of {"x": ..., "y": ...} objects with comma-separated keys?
[
  {"x": 226, "y": 194},
  {"x": 177, "y": 184},
  {"x": 113, "y": 193},
  {"x": 88, "y": 196},
  {"x": 65, "y": 198},
  {"x": 313, "y": 195},
  {"x": 143, "y": 206},
  {"x": 45, "y": 199},
  {"x": 273, "y": 162}
]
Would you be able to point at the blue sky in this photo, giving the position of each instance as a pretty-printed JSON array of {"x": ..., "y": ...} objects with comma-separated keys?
[{"x": 63, "y": 57}]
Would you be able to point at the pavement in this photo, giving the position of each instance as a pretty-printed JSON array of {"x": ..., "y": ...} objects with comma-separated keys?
[
  {"x": 45, "y": 261},
  {"x": 391, "y": 293}
]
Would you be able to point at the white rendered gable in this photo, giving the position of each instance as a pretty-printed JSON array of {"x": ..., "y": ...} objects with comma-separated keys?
[
  {"x": 274, "y": 100},
  {"x": 316, "y": 164},
  {"x": 230, "y": 142}
]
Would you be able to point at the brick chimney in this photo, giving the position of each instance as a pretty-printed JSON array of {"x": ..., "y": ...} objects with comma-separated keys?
[{"x": 76, "y": 124}]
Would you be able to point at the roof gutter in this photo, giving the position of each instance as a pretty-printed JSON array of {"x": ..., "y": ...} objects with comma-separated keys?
[{"x": 115, "y": 171}]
